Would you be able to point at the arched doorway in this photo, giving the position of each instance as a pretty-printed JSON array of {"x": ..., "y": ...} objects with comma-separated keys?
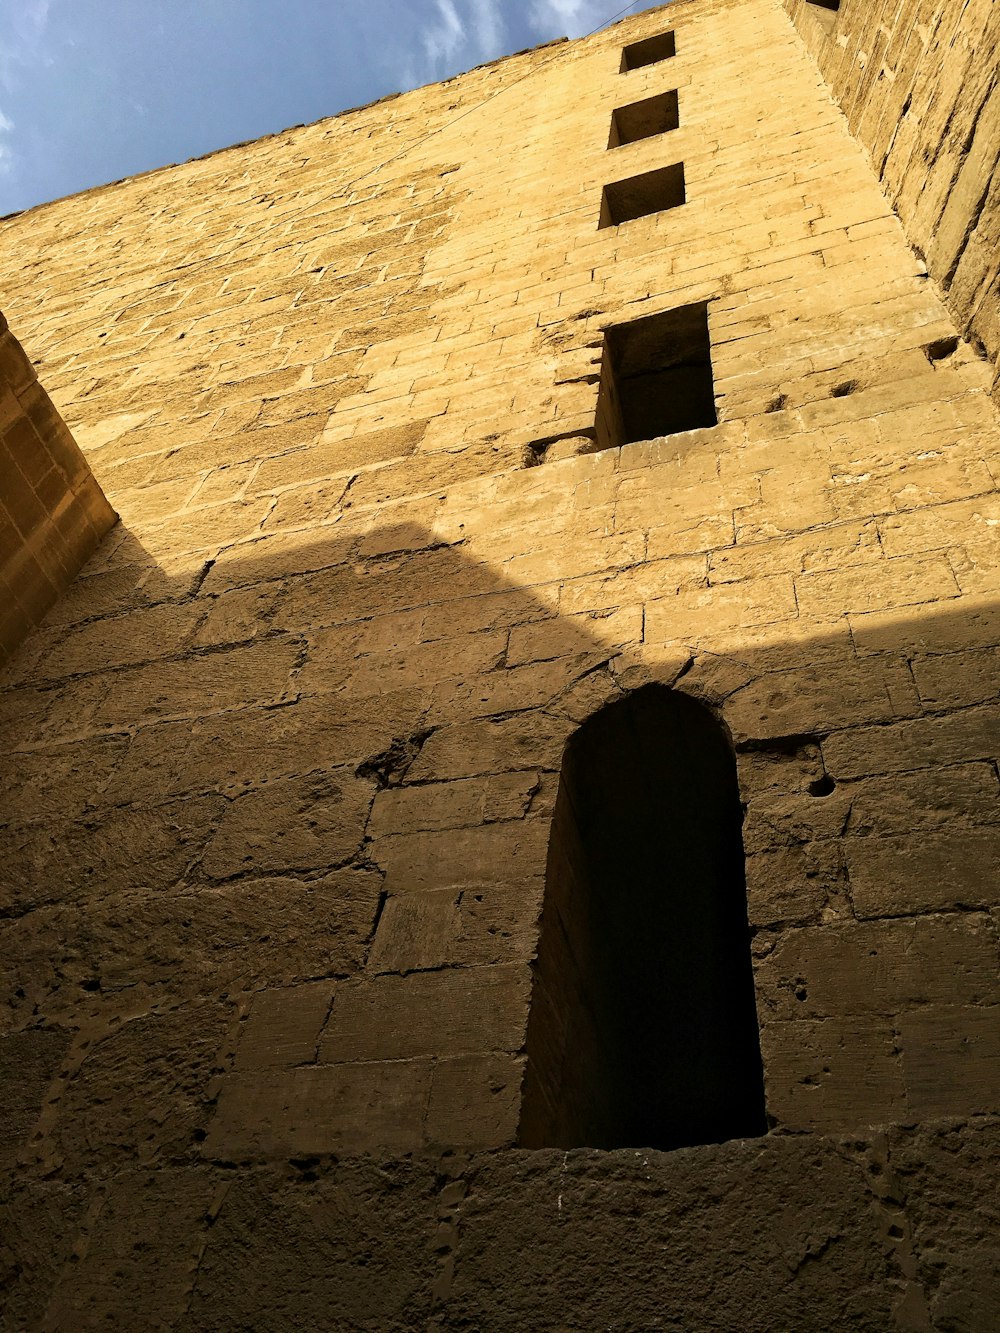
[{"x": 643, "y": 1026}]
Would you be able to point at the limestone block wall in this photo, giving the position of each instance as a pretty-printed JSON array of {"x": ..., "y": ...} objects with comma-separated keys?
[
  {"x": 279, "y": 771},
  {"x": 919, "y": 83},
  {"x": 52, "y": 511}
]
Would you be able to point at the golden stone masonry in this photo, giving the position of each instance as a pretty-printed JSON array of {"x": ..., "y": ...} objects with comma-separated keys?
[{"x": 503, "y": 831}]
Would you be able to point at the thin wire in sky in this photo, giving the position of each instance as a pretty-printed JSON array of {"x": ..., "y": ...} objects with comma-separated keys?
[{"x": 479, "y": 105}]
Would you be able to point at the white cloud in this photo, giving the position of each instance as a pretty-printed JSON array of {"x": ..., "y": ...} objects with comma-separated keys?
[
  {"x": 573, "y": 18},
  {"x": 454, "y": 35},
  {"x": 443, "y": 38},
  {"x": 6, "y": 152},
  {"x": 489, "y": 28},
  {"x": 22, "y": 48},
  {"x": 432, "y": 39},
  {"x": 22, "y": 34}
]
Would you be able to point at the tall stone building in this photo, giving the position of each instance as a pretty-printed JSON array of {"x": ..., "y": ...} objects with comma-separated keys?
[{"x": 541, "y": 495}]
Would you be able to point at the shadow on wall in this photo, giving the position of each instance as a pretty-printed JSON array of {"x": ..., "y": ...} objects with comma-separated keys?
[
  {"x": 323, "y": 775},
  {"x": 275, "y": 837}
]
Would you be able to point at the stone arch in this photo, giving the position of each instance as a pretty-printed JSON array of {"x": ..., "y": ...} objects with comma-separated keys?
[{"x": 643, "y": 1026}]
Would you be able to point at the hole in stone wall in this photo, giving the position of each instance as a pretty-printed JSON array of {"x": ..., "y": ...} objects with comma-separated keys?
[
  {"x": 823, "y": 786},
  {"x": 643, "y": 1025},
  {"x": 842, "y": 390},
  {"x": 641, "y": 120},
  {"x": 638, "y": 196},
  {"x": 656, "y": 378},
  {"x": 649, "y": 51},
  {"x": 825, "y": 4},
  {"x": 941, "y": 349}
]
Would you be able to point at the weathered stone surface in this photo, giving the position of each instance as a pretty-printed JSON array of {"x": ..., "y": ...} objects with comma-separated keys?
[
  {"x": 39, "y": 1225},
  {"x": 475, "y": 1101},
  {"x": 776, "y": 820},
  {"x": 484, "y": 924},
  {"x": 291, "y": 824},
  {"x": 791, "y": 703},
  {"x": 840, "y": 1073},
  {"x": 796, "y": 884},
  {"x": 350, "y": 1270},
  {"x": 463, "y": 858},
  {"x": 164, "y": 1212},
  {"x": 941, "y": 871},
  {"x": 954, "y": 1246},
  {"x": 142, "y": 636},
  {"x": 448, "y": 1012},
  {"x": 254, "y": 674},
  {"x": 490, "y": 745},
  {"x": 28, "y": 1063},
  {"x": 54, "y": 512},
  {"x": 951, "y": 1061},
  {"x": 879, "y": 967},
  {"x": 99, "y": 952},
  {"x": 925, "y": 803},
  {"x": 58, "y": 782},
  {"x": 792, "y": 1207},
  {"x": 930, "y": 127},
  {"x": 117, "y": 851},
  {"x": 969, "y": 734},
  {"x": 466, "y": 803},
  {"x": 364, "y": 1107},
  {"x": 416, "y": 932},
  {"x": 279, "y": 774},
  {"x": 97, "y": 1120},
  {"x": 283, "y": 1028},
  {"x": 236, "y": 750}
]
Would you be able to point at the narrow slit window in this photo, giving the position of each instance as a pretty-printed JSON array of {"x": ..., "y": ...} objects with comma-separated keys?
[
  {"x": 650, "y": 51},
  {"x": 641, "y": 120},
  {"x": 639, "y": 196},
  {"x": 656, "y": 378},
  {"x": 643, "y": 1026}
]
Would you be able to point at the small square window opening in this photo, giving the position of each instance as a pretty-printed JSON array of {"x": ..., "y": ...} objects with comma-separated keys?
[
  {"x": 642, "y": 120},
  {"x": 650, "y": 51},
  {"x": 638, "y": 196}
]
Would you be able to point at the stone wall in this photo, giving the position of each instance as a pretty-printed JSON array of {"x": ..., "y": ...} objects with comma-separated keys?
[
  {"x": 279, "y": 772},
  {"x": 52, "y": 511},
  {"x": 919, "y": 83}
]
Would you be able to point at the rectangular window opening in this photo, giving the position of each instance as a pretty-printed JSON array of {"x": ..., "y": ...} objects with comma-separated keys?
[
  {"x": 638, "y": 196},
  {"x": 656, "y": 378},
  {"x": 641, "y": 120},
  {"x": 650, "y": 51}
]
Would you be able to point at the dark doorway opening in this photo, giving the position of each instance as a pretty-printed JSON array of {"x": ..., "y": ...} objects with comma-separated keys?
[
  {"x": 656, "y": 378},
  {"x": 643, "y": 1026}
]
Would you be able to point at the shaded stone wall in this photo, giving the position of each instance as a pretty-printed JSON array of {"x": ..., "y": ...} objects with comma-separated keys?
[
  {"x": 279, "y": 771},
  {"x": 52, "y": 511},
  {"x": 919, "y": 83}
]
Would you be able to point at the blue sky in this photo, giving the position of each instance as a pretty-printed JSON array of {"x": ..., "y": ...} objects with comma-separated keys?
[{"x": 93, "y": 90}]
